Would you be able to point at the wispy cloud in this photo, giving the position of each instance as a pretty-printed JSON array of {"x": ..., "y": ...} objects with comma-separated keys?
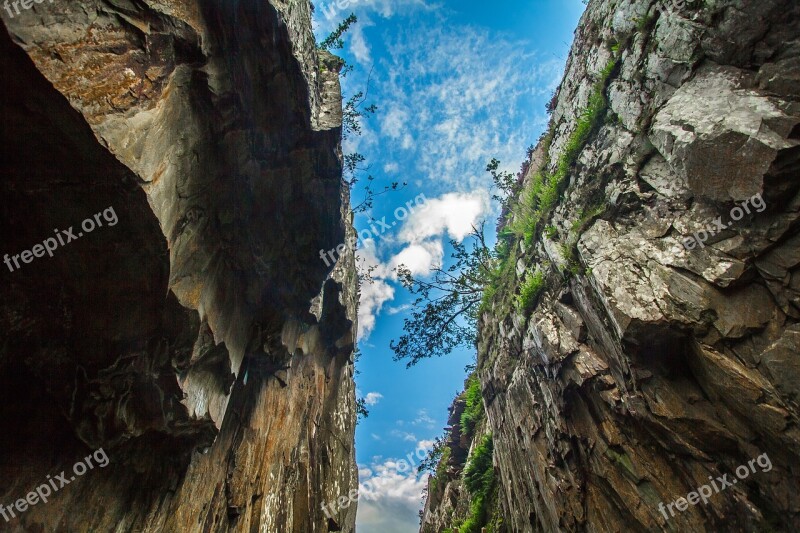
[
  {"x": 328, "y": 13},
  {"x": 445, "y": 114},
  {"x": 470, "y": 94},
  {"x": 424, "y": 419},
  {"x": 404, "y": 435}
]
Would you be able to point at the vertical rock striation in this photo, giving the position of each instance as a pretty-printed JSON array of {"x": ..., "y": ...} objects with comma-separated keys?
[
  {"x": 200, "y": 340},
  {"x": 650, "y": 363}
]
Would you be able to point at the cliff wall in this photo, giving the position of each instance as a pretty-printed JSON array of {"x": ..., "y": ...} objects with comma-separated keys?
[
  {"x": 643, "y": 337},
  {"x": 199, "y": 340}
]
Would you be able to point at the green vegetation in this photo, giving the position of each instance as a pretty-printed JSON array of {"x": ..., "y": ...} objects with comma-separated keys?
[
  {"x": 361, "y": 408},
  {"x": 434, "y": 456},
  {"x": 544, "y": 190},
  {"x": 473, "y": 412},
  {"x": 448, "y": 302},
  {"x": 530, "y": 290},
  {"x": 537, "y": 200},
  {"x": 479, "y": 480},
  {"x": 334, "y": 40},
  {"x": 441, "y": 470},
  {"x": 448, "y": 307},
  {"x": 585, "y": 216}
]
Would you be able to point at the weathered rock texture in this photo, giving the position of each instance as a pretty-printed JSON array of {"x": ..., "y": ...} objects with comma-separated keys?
[
  {"x": 201, "y": 341},
  {"x": 653, "y": 366},
  {"x": 447, "y": 500}
]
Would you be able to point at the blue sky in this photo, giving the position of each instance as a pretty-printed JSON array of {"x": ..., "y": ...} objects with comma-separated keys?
[{"x": 456, "y": 83}]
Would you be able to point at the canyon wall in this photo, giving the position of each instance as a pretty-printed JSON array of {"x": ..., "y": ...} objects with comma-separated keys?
[
  {"x": 656, "y": 346},
  {"x": 195, "y": 336}
]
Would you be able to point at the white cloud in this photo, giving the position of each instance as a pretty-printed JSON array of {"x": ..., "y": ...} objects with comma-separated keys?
[
  {"x": 328, "y": 13},
  {"x": 372, "y": 398},
  {"x": 394, "y": 122},
  {"x": 425, "y": 444},
  {"x": 420, "y": 248},
  {"x": 358, "y": 43},
  {"x": 453, "y": 97},
  {"x": 452, "y": 213},
  {"x": 406, "y": 436},
  {"x": 373, "y": 296},
  {"x": 398, "y": 309},
  {"x": 390, "y": 497},
  {"x": 466, "y": 95},
  {"x": 418, "y": 258},
  {"x": 424, "y": 419}
]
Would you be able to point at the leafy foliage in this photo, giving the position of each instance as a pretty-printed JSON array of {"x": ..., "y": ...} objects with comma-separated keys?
[
  {"x": 361, "y": 408},
  {"x": 478, "y": 474},
  {"x": 479, "y": 479},
  {"x": 354, "y": 110},
  {"x": 352, "y": 113},
  {"x": 530, "y": 290},
  {"x": 432, "y": 460},
  {"x": 544, "y": 190},
  {"x": 334, "y": 40},
  {"x": 441, "y": 470},
  {"x": 447, "y": 306},
  {"x": 506, "y": 182},
  {"x": 473, "y": 412}
]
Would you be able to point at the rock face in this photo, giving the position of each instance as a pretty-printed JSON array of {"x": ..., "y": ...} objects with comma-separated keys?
[
  {"x": 652, "y": 364},
  {"x": 195, "y": 335}
]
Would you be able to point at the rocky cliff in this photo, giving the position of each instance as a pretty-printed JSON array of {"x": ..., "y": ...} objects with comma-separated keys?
[
  {"x": 198, "y": 339},
  {"x": 643, "y": 337}
]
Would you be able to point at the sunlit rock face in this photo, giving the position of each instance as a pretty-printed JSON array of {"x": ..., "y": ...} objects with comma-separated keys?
[
  {"x": 651, "y": 363},
  {"x": 199, "y": 340}
]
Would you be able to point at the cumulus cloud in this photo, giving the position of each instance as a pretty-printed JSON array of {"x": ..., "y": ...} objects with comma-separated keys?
[
  {"x": 425, "y": 444},
  {"x": 373, "y": 296},
  {"x": 420, "y": 248},
  {"x": 444, "y": 116},
  {"x": 390, "y": 495},
  {"x": 372, "y": 398},
  {"x": 419, "y": 258},
  {"x": 453, "y": 213}
]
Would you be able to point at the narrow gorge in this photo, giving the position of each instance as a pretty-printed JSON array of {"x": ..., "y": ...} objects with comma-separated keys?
[{"x": 638, "y": 332}]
